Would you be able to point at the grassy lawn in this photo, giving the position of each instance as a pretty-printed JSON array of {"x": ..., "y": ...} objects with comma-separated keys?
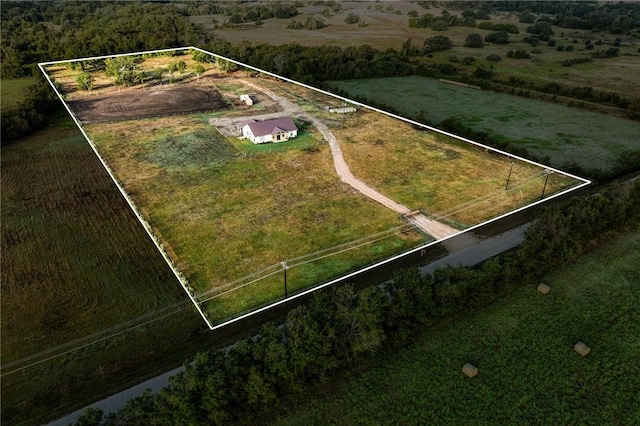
[
  {"x": 523, "y": 347},
  {"x": 303, "y": 141},
  {"x": 562, "y": 133},
  {"x": 12, "y": 91}
]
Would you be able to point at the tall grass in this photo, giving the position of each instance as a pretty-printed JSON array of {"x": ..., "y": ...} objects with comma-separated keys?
[{"x": 564, "y": 134}]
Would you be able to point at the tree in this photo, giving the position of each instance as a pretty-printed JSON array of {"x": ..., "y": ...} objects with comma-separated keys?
[
  {"x": 85, "y": 81},
  {"x": 473, "y": 40},
  {"x": 224, "y": 65},
  {"x": 542, "y": 28},
  {"x": 499, "y": 37},
  {"x": 437, "y": 44},
  {"x": 198, "y": 69},
  {"x": 279, "y": 61},
  {"x": 352, "y": 18},
  {"x": 122, "y": 69}
]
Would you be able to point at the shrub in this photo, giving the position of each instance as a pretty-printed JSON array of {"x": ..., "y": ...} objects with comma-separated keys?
[
  {"x": 473, "y": 40},
  {"x": 500, "y": 37},
  {"x": 494, "y": 58},
  {"x": 352, "y": 18},
  {"x": 437, "y": 43}
]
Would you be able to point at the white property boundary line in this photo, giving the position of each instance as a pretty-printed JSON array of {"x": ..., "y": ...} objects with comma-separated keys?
[{"x": 178, "y": 274}]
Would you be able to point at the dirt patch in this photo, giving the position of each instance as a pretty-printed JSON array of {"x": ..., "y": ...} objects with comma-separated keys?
[{"x": 145, "y": 103}]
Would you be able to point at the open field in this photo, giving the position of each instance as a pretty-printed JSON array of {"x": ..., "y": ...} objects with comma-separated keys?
[
  {"x": 563, "y": 134},
  {"x": 523, "y": 347},
  {"x": 228, "y": 220},
  {"x": 77, "y": 267},
  {"x": 13, "y": 92},
  {"x": 385, "y": 29},
  {"x": 447, "y": 178}
]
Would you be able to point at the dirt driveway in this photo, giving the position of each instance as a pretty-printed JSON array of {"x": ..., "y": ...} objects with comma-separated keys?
[{"x": 436, "y": 229}]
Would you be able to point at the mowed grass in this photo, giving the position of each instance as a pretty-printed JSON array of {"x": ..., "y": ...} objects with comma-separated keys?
[
  {"x": 227, "y": 216},
  {"x": 566, "y": 135},
  {"x": 12, "y": 92},
  {"x": 523, "y": 347},
  {"x": 443, "y": 176},
  {"x": 77, "y": 268}
]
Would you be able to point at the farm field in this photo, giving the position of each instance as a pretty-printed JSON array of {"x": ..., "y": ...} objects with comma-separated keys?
[
  {"x": 12, "y": 92},
  {"x": 523, "y": 347},
  {"x": 390, "y": 29},
  {"x": 78, "y": 268},
  {"x": 228, "y": 219},
  {"x": 566, "y": 135}
]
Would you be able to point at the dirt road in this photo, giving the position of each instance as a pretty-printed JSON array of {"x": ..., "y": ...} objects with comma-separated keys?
[{"x": 435, "y": 229}]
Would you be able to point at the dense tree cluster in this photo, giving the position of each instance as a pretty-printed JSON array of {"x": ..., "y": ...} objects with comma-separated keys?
[
  {"x": 31, "y": 114},
  {"x": 510, "y": 28},
  {"x": 45, "y": 31},
  {"x": 341, "y": 326},
  {"x": 437, "y": 44},
  {"x": 615, "y": 17},
  {"x": 442, "y": 22}
]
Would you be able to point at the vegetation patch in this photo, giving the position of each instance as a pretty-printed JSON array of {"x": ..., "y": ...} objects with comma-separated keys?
[
  {"x": 523, "y": 343},
  {"x": 599, "y": 140},
  {"x": 13, "y": 91},
  {"x": 204, "y": 147}
]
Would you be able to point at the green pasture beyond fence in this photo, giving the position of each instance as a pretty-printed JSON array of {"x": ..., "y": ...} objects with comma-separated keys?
[{"x": 563, "y": 134}]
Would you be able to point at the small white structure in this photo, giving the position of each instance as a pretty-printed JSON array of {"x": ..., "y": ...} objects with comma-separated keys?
[
  {"x": 275, "y": 130},
  {"x": 343, "y": 110},
  {"x": 247, "y": 99}
]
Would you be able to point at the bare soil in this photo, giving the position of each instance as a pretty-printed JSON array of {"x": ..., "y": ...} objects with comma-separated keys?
[{"x": 138, "y": 103}]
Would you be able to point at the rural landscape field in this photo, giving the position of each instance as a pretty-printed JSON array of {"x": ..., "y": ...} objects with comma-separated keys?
[
  {"x": 229, "y": 217},
  {"x": 91, "y": 307}
]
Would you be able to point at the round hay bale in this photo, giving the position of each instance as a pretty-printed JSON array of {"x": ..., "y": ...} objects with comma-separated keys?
[
  {"x": 582, "y": 349},
  {"x": 470, "y": 370},
  {"x": 543, "y": 288}
]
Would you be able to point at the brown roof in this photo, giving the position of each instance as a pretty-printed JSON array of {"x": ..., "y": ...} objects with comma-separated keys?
[{"x": 269, "y": 127}]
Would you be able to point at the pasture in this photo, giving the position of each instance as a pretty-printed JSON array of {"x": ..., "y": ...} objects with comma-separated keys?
[
  {"x": 12, "y": 92},
  {"x": 565, "y": 135},
  {"x": 228, "y": 215},
  {"x": 78, "y": 272},
  {"x": 523, "y": 347}
]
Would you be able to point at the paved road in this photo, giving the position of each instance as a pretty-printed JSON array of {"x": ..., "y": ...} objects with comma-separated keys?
[{"x": 464, "y": 251}]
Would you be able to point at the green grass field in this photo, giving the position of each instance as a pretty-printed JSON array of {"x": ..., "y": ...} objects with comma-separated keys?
[
  {"x": 12, "y": 92},
  {"x": 77, "y": 267},
  {"x": 564, "y": 134},
  {"x": 523, "y": 347},
  {"x": 223, "y": 216}
]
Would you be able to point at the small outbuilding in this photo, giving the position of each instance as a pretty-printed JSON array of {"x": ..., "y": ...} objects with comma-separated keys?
[
  {"x": 275, "y": 130},
  {"x": 247, "y": 99}
]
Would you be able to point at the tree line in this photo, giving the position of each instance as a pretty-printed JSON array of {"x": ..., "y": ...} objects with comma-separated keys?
[{"x": 341, "y": 326}]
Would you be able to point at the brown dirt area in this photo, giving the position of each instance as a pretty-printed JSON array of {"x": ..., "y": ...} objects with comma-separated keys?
[{"x": 145, "y": 103}]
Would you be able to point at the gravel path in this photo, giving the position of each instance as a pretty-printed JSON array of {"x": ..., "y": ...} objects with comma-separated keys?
[{"x": 436, "y": 229}]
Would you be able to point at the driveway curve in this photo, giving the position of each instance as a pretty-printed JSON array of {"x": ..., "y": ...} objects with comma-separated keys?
[{"x": 434, "y": 228}]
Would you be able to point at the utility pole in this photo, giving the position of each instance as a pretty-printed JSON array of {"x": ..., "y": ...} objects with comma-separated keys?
[
  {"x": 545, "y": 183},
  {"x": 284, "y": 268},
  {"x": 509, "y": 177}
]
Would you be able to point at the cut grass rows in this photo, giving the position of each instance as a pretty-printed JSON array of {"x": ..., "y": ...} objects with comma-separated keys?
[
  {"x": 523, "y": 346},
  {"x": 75, "y": 261}
]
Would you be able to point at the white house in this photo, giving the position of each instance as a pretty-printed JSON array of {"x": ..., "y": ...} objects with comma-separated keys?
[{"x": 276, "y": 130}]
